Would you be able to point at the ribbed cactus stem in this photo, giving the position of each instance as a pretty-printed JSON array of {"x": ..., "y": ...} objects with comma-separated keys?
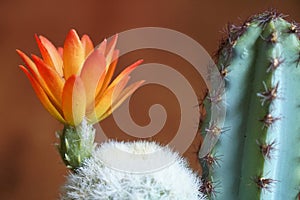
[
  {"x": 273, "y": 107},
  {"x": 76, "y": 144},
  {"x": 260, "y": 152}
]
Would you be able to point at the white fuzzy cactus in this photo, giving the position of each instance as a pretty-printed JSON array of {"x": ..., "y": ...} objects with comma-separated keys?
[{"x": 132, "y": 171}]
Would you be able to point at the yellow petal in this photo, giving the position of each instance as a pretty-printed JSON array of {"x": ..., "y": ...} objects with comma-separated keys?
[
  {"x": 106, "y": 100},
  {"x": 74, "y": 101},
  {"x": 112, "y": 92},
  {"x": 91, "y": 73},
  {"x": 73, "y": 55},
  {"x": 43, "y": 97},
  {"x": 87, "y": 45},
  {"x": 119, "y": 88},
  {"x": 121, "y": 98},
  {"x": 53, "y": 54}
]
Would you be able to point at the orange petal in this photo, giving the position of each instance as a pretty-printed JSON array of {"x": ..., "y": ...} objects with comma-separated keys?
[
  {"x": 91, "y": 73},
  {"x": 42, "y": 96},
  {"x": 105, "y": 80},
  {"x": 110, "y": 49},
  {"x": 56, "y": 59},
  {"x": 29, "y": 63},
  {"x": 74, "y": 101},
  {"x": 35, "y": 73},
  {"x": 60, "y": 51},
  {"x": 121, "y": 98},
  {"x": 45, "y": 55},
  {"x": 73, "y": 55},
  {"x": 125, "y": 72},
  {"x": 52, "y": 82},
  {"x": 102, "y": 46},
  {"x": 87, "y": 45}
]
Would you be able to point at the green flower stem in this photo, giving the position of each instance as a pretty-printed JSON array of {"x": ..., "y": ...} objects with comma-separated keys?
[{"x": 76, "y": 144}]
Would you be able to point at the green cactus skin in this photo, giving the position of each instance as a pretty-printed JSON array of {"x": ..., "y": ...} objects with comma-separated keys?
[
  {"x": 259, "y": 156},
  {"x": 76, "y": 144}
]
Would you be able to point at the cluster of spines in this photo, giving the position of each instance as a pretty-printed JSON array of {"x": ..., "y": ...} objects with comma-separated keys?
[
  {"x": 208, "y": 188},
  {"x": 267, "y": 96},
  {"x": 212, "y": 160},
  {"x": 225, "y": 51},
  {"x": 233, "y": 32},
  {"x": 266, "y": 148},
  {"x": 224, "y": 56},
  {"x": 295, "y": 28},
  {"x": 263, "y": 183}
]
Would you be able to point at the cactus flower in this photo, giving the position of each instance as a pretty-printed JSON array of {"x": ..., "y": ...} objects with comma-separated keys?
[{"x": 75, "y": 82}]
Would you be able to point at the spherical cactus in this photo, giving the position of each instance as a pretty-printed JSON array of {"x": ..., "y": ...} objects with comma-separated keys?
[{"x": 136, "y": 170}]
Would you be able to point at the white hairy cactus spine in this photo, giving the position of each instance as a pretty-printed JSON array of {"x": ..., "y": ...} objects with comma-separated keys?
[{"x": 132, "y": 171}]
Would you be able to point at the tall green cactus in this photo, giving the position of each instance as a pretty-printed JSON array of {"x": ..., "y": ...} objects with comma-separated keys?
[{"x": 258, "y": 152}]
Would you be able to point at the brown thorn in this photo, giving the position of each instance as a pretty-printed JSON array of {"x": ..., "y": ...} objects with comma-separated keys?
[
  {"x": 223, "y": 70},
  {"x": 267, "y": 16},
  {"x": 232, "y": 33},
  {"x": 212, "y": 160},
  {"x": 269, "y": 94},
  {"x": 275, "y": 63},
  {"x": 263, "y": 183},
  {"x": 274, "y": 38},
  {"x": 208, "y": 188},
  {"x": 236, "y": 31},
  {"x": 225, "y": 50},
  {"x": 215, "y": 130},
  {"x": 268, "y": 120},
  {"x": 216, "y": 96},
  {"x": 266, "y": 148},
  {"x": 294, "y": 28}
]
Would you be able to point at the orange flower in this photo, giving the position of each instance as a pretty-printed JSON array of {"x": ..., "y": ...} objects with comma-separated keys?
[{"x": 74, "y": 82}]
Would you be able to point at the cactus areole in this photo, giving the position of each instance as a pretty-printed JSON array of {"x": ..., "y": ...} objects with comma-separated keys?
[{"x": 258, "y": 157}]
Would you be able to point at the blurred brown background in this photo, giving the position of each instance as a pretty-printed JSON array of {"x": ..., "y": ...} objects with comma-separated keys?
[{"x": 30, "y": 167}]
